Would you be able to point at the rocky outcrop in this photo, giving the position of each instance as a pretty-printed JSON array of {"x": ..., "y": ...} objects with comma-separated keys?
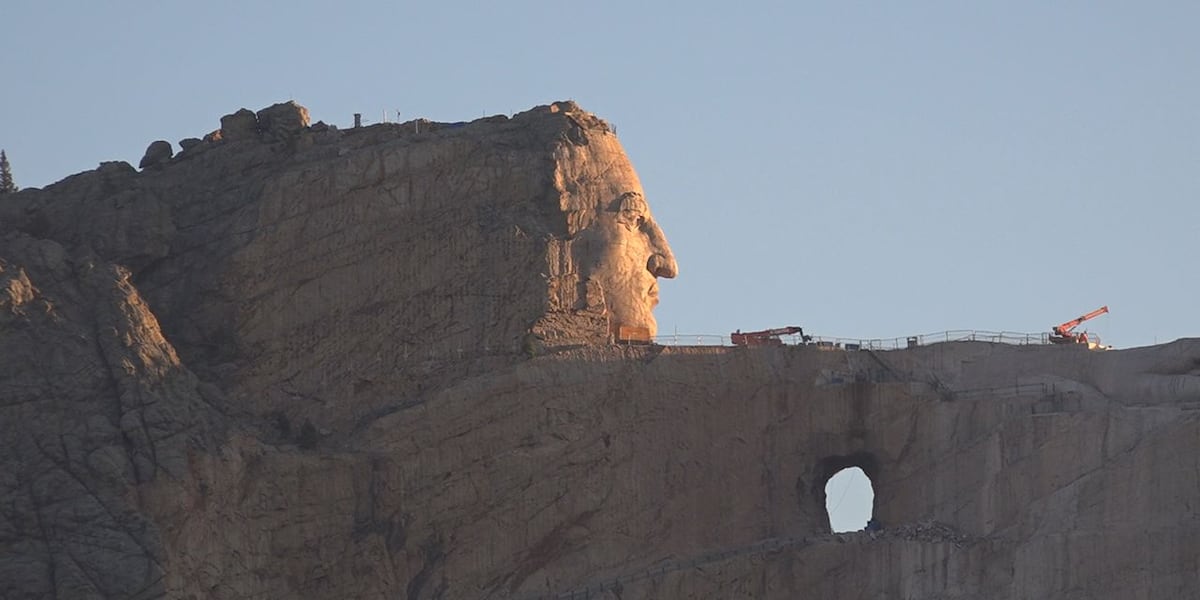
[
  {"x": 95, "y": 408},
  {"x": 158, "y": 152},
  {"x": 188, "y": 143},
  {"x": 296, "y": 361},
  {"x": 240, "y": 125},
  {"x": 283, "y": 119}
]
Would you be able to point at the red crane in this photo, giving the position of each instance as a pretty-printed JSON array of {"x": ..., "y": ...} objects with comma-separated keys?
[
  {"x": 1062, "y": 334},
  {"x": 766, "y": 337}
]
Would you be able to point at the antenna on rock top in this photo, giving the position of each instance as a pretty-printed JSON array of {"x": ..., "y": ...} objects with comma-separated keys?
[{"x": 358, "y": 119}]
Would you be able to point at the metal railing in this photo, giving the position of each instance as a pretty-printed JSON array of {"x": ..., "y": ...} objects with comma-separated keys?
[{"x": 844, "y": 343}]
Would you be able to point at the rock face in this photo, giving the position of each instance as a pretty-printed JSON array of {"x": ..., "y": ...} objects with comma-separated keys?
[
  {"x": 188, "y": 143},
  {"x": 295, "y": 361},
  {"x": 95, "y": 408}
]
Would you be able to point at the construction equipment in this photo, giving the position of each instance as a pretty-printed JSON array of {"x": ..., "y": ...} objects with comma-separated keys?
[
  {"x": 766, "y": 337},
  {"x": 1063, "y": 334}
]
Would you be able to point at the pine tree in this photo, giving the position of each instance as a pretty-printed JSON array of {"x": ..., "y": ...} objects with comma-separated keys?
[{"x": 6, "y": 181}]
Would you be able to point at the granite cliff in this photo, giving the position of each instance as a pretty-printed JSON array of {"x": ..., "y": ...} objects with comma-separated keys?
[{"x": 297, "y": 361}]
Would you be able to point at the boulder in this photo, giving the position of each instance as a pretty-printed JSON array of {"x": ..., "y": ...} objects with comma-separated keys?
[
  {"x": 158, "y": 152},
  {"x": 114, "y": 168},
  {"x": 239, "y": 125},
  {"x": 283, "y": 119}
]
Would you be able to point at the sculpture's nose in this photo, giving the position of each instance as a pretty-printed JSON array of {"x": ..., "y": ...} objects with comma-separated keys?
[
  {"x": 662, "y": 260},
  {"x": 662, "y": 265}
]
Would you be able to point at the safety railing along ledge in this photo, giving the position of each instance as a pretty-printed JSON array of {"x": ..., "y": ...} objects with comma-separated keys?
[{"x": 843, "y": 343}]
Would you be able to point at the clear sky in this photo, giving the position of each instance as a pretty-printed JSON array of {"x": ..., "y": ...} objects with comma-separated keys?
[
  {"x": 861, "y": 169},
  {"x": 848, "y": 498}
]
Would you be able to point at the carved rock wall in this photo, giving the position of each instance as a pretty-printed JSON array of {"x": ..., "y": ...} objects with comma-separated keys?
[{"x": 344, "y": 268}]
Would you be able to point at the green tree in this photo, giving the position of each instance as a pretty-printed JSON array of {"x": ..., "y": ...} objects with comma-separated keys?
[{"x": 6, "y": 181}]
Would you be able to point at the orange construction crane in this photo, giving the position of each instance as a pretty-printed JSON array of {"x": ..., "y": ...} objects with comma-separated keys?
[
  {"x": 766, "y": 337},
  {"x": 1062, "y": 334}
]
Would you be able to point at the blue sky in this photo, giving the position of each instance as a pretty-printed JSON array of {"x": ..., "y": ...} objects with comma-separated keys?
[{"x": 859, "y": 169}]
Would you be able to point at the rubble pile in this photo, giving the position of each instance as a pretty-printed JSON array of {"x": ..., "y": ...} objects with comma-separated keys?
[{"x": 925, "y": 531}]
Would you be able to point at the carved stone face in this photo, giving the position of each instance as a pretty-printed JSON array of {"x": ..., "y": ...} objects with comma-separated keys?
[{"x": 624, "y": 251}]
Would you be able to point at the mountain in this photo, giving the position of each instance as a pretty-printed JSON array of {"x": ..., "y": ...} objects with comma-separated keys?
[{"x": 408, "y": 360}]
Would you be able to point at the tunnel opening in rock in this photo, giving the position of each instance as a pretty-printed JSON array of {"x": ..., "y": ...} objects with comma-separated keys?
[
  {"x": 849, "y": 500},
  {"x": 844, "y": 489}
]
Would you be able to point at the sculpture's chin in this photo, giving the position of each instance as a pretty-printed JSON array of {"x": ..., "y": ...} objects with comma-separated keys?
[
  {"x": 630, "y": 299},
  {"x": 640, "y": 318}
]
